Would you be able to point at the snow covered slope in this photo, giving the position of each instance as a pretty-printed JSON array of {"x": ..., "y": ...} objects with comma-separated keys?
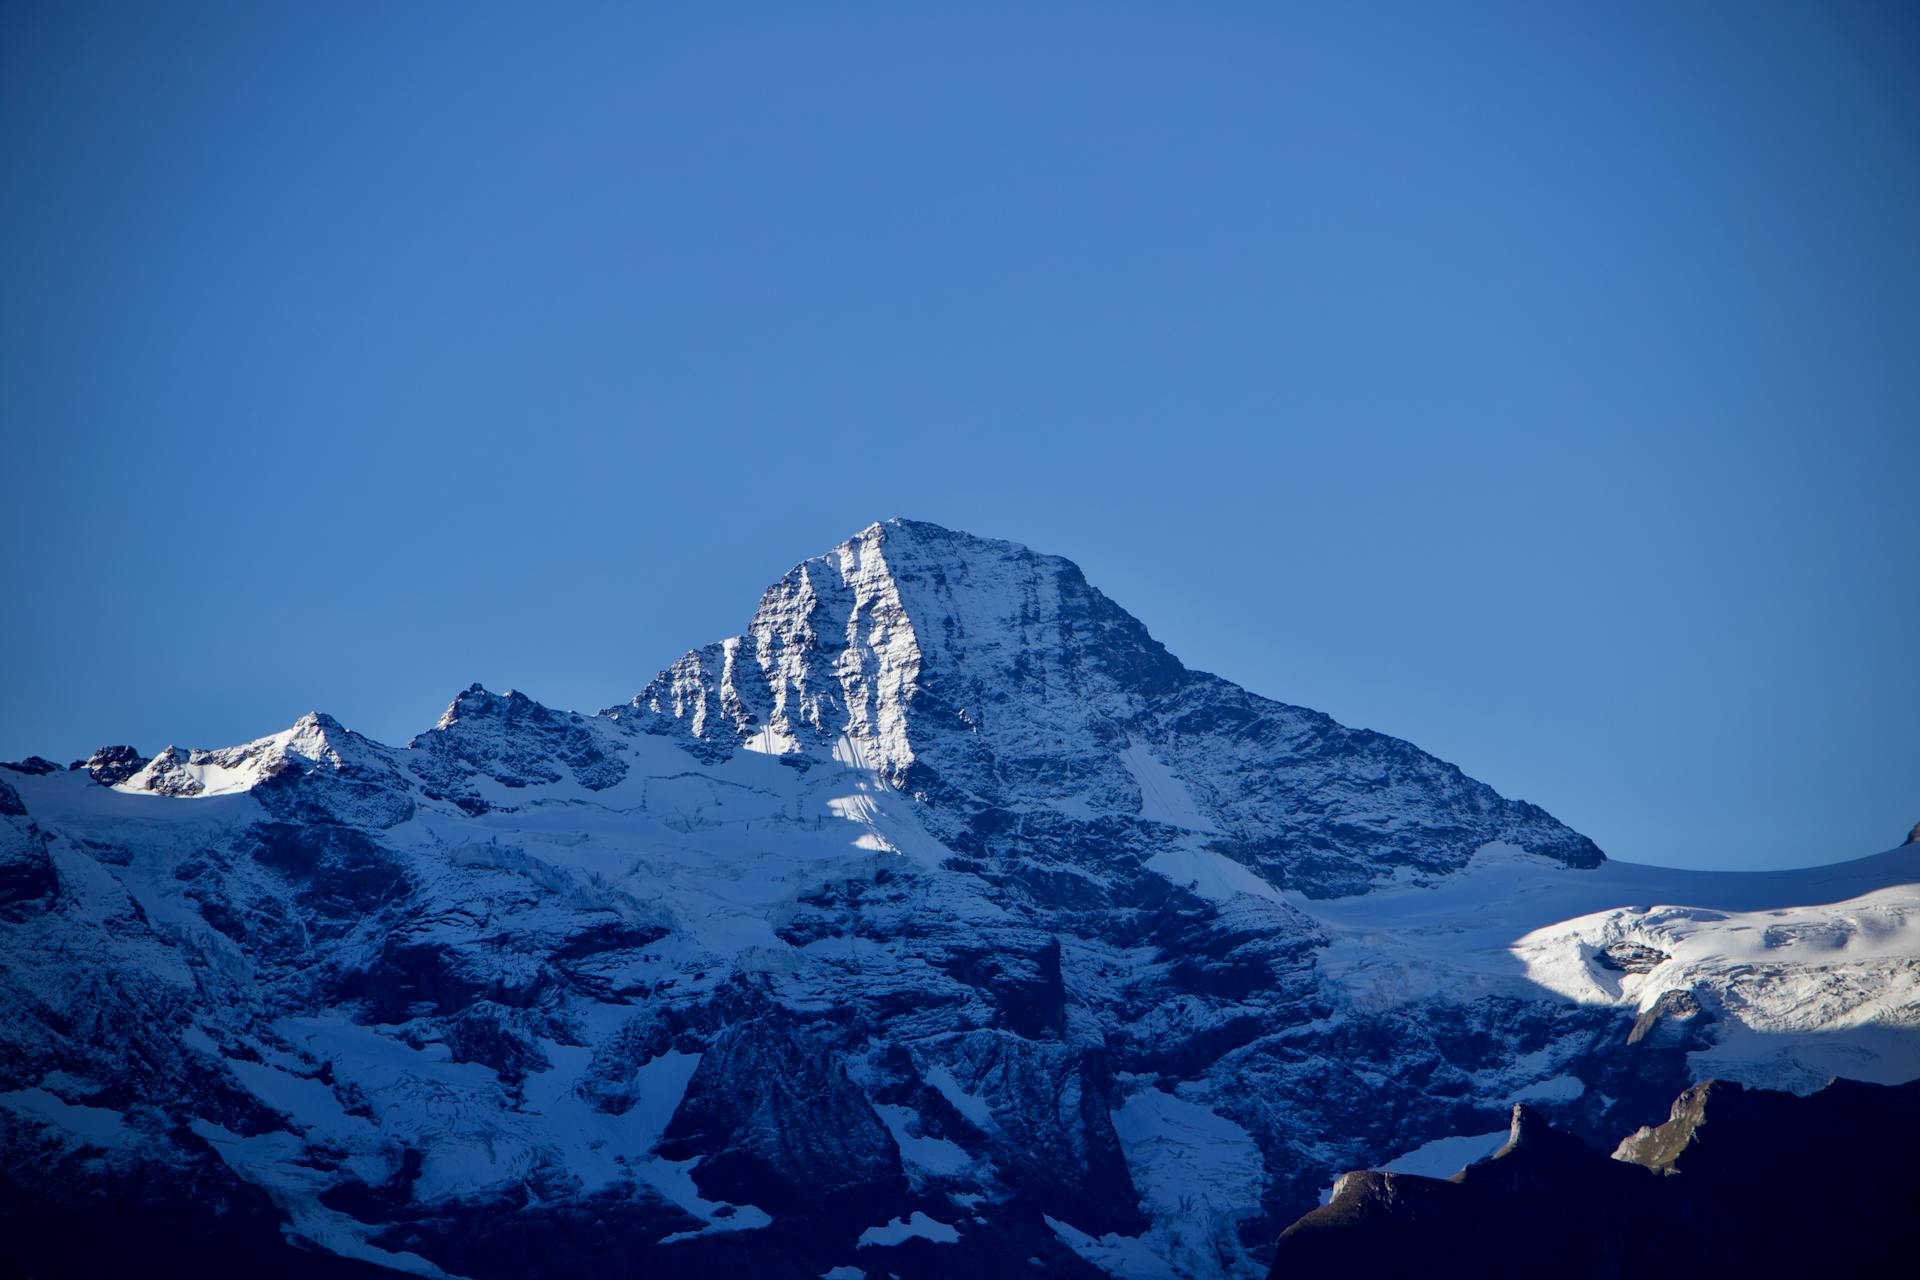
[
  {"x": 941, "y": 922},
  {"x": 1801, "y": 975}
]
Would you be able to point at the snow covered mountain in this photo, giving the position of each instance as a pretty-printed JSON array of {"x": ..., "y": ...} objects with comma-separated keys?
[{"x": 941, "y": 921}]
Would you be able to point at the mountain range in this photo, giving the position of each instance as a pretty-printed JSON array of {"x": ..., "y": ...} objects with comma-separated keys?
[{"x": 940, "y": 921}]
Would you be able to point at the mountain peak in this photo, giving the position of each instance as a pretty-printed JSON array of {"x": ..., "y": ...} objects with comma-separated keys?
[
  {"x": 318, "y": 723},
  {"x": 926, "y": 538},
  {"x": 989, "y": 680},
  {"x": 512, "y": 739},
  {"x": 477, "y": 700},
  {"x": 911, "y": 620},
  {"x": 111, "y": 765},
  {"x": 314, "y": 742}
]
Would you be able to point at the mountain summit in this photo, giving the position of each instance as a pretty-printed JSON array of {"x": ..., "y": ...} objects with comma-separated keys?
[
  {"x": 1004, "y": 692},
  {"x": 941, "y": 923}
]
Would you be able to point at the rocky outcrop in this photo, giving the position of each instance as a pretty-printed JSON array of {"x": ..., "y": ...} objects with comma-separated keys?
[
  {"x": 1737, "y": 1181},
  {"x": 28, "y": 881},
  {"x": 514, "y": 741},
  {"x": 1542, "y": 1197},
  {"x": 111, "y": 766},
  {"x": 1626, "y": 956}
]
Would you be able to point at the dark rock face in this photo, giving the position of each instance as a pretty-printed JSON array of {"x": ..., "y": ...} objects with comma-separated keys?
[
  {"x": 1542, "y": 1196},
  {"x": 513, "y": 740},
  {"x": 28, "y": 881},
  {"x": 780, "y": 1122},
  {"x": 196, "y": 1218},
  {"x": 1630, "y": 957},
  {"x": 1769, "y": 1183},
  {"x": 1738, "y": 1181},
  {"x": 32, "y": 766},
  {"x": 335, "y": 872},
  {"x": 11, "y": 805},
  {"x": 111, "y": 766}
]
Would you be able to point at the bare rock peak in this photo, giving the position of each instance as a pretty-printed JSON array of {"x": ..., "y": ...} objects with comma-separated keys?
[{"x": 111, "y": 766}]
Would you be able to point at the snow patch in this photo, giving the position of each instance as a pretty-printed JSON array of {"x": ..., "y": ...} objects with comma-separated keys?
[
  {"x": 92, "y": 1126},
  {"x": 920, "y": 1154},
  {"x": 1129, "y": 1257},
  {"x": 1163, "y": 796},
  {"x": 971, "y": 1105},
  {"x": 275, "y": 1163},
  {"x": 1558, "y": 1089},
  {"x": 1441, "y": 1158},
  {"x": 919, "y": 1227},
  {"x": 1199, "y": 1174},
  {"x": 1213, "y": 876}
]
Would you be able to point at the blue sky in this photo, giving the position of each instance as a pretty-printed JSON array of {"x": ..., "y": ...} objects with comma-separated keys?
[{"x": 1539, "y": 382}]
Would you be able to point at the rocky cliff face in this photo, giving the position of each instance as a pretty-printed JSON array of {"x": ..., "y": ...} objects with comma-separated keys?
[
  {"x": 941, "y": 922},
  {"x": 1012, "y": 700}
]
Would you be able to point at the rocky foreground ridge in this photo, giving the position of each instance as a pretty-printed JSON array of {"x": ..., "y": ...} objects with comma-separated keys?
[
  {"x": 942, "y": 921},
  {"x": 1736, "y": 1181}
]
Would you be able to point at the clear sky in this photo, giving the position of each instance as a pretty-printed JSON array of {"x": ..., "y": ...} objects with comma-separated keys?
[{"x": 1539, "y": 382}]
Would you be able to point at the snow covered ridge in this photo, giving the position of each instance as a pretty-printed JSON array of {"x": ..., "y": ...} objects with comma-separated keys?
[{"x": 940, "y": 921}]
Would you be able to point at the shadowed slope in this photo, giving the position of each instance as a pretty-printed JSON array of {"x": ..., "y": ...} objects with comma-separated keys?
[{"x": 1737, "y": 1181}]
